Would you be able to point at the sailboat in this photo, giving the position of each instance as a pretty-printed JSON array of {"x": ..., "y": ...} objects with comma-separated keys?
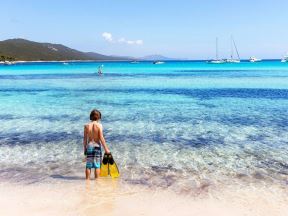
[
  {"x": 217, "y": 60},
  {"x": 232, "y": 59}
]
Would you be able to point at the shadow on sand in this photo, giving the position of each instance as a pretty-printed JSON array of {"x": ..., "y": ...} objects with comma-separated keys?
[{"x": 67, "y": 177}]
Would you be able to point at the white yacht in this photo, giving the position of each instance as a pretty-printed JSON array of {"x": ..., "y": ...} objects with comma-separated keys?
[
  {"x": 216, "y": 60},
  {"x": 285, "y": 58},
  {"x": 219, "y": 61},
  {"x": 158, "y": 62},
  {"x": 232, "y": 59},
  {"x": 254, "y": 59}
]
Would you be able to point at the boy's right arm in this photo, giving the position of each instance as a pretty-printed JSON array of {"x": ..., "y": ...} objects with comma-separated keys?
[{"x": 85, "y": 139}]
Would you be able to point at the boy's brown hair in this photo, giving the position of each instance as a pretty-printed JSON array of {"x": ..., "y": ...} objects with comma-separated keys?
[{"x": 95, "y": 115}]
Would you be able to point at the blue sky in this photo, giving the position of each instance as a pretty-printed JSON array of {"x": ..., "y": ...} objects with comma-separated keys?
[{"x": 181, "y": 29}]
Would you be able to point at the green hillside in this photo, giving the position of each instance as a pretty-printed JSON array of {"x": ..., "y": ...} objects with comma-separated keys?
[{"x": 21, "y": 49}]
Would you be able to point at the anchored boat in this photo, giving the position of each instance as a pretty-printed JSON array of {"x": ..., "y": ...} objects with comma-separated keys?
[
  {"x": 232, "y": 59},
  {"x": 254, "y": 59},
  {"x": 158, "y": 62},
  {"x": 285, "y": 58},
  {"x": 216, "y": 60}
]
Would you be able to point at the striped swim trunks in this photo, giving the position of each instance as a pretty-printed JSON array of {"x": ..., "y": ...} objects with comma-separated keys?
[{"x": 94, "y": 156}]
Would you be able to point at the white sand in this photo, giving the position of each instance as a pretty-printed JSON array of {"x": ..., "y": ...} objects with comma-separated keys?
[{"x": 106, "y": 197}]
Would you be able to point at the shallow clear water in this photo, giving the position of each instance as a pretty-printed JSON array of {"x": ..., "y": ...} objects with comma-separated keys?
[{"x": 181, "y": 125}]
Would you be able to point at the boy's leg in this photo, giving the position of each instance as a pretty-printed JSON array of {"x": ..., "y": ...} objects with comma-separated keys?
[
  {"x": 97, "y": 172},
  {"x": 88, "y": 172}
]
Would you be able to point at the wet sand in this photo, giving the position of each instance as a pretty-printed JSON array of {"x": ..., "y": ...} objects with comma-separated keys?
[{"x": 108, "y": 197}]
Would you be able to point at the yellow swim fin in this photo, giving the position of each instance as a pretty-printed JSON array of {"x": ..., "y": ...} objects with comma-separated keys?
[
  {"x": 104, "y": 166},
  {"x": 113, "y": 169}
]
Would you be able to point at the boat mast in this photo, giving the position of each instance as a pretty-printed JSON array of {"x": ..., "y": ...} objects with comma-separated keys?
[
  {"x": 231, "y": 47},
  {"x": 216, "y": 48},
  {"x": 236, "y": 49}
]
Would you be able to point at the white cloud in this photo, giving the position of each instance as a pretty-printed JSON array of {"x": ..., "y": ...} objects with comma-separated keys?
[
  {"x": 139, "y": 42},
  {"x": 108, "y": 37},
  {"x": 130, "y": 42}
]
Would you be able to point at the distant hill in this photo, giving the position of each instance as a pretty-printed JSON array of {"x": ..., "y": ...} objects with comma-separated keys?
[
  {"x": 105, "y": 57},
  {"x": 156, "y": 57},
  {"x": 21, "y": 49}
]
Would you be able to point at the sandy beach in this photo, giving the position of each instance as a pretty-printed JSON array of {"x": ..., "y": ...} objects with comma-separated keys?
[{"x": 107, "y": 197}]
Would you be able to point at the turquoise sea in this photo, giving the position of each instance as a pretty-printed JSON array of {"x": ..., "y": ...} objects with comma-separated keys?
[{"x": 180, "y": 125}]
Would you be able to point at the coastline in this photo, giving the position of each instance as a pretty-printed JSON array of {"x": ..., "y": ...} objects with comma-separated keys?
[
  {"x": 68, "y": 61},
  {"x": 109, "y": 197},
  {"x": 79, "y": 61}
]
